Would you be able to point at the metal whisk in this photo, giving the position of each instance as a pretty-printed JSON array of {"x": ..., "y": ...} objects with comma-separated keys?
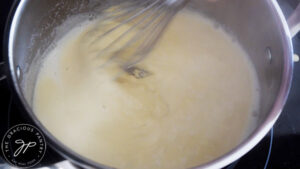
[{"x": 133, "y": 27}]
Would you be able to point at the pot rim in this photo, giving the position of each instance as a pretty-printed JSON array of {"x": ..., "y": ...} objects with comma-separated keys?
[
  {"x": 236, "y": 153},
  {"x": 279, "y": 103}
]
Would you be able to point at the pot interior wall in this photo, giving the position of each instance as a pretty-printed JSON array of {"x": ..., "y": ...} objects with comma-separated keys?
[{"x": 252, "y": 22}]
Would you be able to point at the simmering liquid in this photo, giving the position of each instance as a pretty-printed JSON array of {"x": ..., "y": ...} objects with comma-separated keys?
[{"x": 196, "y": 104}]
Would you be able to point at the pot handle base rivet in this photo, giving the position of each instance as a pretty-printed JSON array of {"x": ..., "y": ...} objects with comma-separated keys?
[{"x": 296, "y": 58}]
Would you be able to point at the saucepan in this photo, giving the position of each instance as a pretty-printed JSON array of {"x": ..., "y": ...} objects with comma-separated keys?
[{"x": 258, "y": 25}]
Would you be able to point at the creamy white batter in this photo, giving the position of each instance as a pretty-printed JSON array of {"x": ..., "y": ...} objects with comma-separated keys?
[{"x": 195, "y": 106}]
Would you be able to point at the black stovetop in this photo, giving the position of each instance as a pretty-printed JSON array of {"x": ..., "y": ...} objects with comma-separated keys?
[{"x": 280, "y": 149}]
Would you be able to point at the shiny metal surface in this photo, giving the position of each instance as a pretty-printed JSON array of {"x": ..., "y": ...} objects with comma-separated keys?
[
  {"x": 2, "y": 74},
  {"x": 294, "y": 21},
  {"x": 147, "y": 19},
  {"x": 258, "y": 25},
  {"x": 60, "y": 165}
]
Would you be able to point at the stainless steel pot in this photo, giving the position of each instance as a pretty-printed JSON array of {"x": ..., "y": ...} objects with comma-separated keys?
[{"x": 258, "y": 25}]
